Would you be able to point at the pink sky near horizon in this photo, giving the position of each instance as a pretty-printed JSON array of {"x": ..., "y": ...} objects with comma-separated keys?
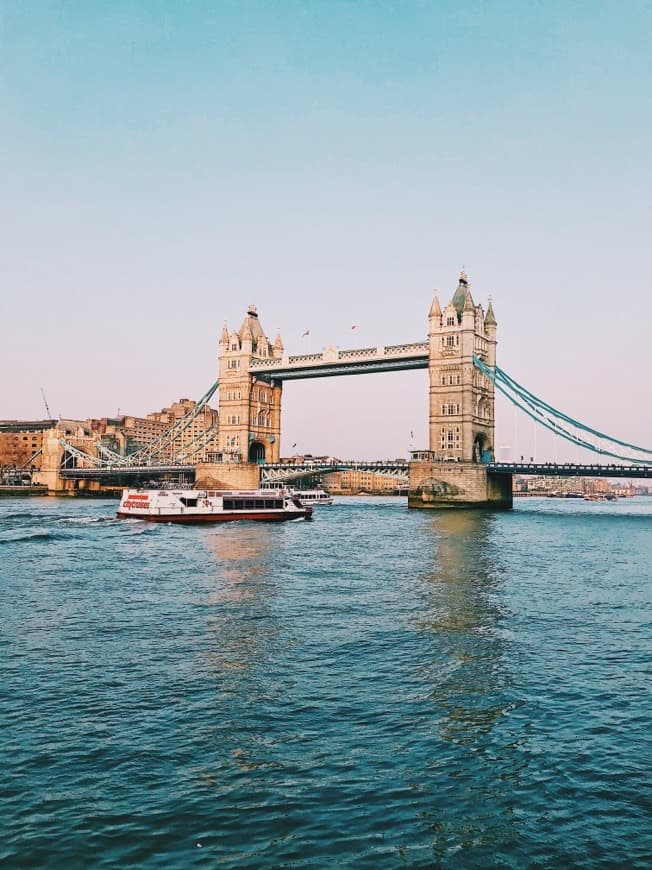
[{"x": 332, "y": 164}]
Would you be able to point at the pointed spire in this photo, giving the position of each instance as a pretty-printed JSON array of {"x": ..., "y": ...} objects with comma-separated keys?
[
  {"x": 468, "y": 300},
  {"x": 278, "y": 344},
  {"x": 224, "y": 337},
  {"x": 490, "y": 317},
  {"x": 435, "y": 308}
]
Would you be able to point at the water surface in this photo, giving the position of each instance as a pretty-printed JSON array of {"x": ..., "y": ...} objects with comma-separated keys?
[{"x": 377, "y": 688}]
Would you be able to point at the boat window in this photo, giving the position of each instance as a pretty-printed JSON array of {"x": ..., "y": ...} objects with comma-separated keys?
[{"x": 189, "y": 502}]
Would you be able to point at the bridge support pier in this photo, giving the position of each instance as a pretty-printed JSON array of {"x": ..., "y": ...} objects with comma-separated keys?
[
  {"x": 437, "y": 485},
  {"x": 227, "y": 475}
]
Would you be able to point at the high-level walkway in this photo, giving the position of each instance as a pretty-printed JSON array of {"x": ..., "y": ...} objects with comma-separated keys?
[{"x": 363, "y": 361}]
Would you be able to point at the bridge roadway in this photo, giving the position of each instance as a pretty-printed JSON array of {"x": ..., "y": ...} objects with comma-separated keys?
[
  {"x": 396, "y": 468},
  {"x": 569, "y": 469},
  {"x": 132, "y": 471}
]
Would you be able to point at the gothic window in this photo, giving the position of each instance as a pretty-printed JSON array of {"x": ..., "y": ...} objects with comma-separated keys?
[
  {"x": 457, "y": 380},
  {"x": 234, "y": 346},
  {"x": 443, "y": 380},
  {"x": 450, "y": 340},
  {"x": 457, "y": 339},
  {"x": 450, "y": 321}
]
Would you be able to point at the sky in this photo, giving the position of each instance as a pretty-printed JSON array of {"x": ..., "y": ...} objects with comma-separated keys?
[{"x": 165, "y": 164}]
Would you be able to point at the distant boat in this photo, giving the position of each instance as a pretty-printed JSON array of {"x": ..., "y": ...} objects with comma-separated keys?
[
  {"x": 211, "y": 506},
  {"x": 313, "y": 496}
]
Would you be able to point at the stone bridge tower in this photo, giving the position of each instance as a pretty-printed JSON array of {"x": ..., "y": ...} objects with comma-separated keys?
[
  {"x": 249, "y": 410},
  {"x": 461, "y": 397},
  {"x": 453, "y": 473}
]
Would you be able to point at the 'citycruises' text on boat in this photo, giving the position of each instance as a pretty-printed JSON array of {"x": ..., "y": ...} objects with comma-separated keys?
[{"x": 211, "y": 506}]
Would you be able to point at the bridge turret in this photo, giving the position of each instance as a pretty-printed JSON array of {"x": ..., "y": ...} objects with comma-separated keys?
[
  {"x": 490, "y": 325},
  {"x": 435, "y": 310},
  {"x": 249, "y": 409},
  {"x": 277, "y": 349},
  {"x": 461, "y": 400}
]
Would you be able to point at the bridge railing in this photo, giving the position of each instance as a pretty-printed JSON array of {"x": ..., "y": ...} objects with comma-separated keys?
[{"x": 332, "y": 355}]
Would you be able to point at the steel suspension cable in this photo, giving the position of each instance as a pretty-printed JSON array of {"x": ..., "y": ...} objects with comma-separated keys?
[{"x": 534, "y": 408}]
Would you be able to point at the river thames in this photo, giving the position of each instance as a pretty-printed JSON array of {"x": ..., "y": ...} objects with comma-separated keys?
[{"x": 376, "y": 688}]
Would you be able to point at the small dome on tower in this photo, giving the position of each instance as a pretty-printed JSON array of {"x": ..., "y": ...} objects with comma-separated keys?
[{"x": 459, "y": 297}]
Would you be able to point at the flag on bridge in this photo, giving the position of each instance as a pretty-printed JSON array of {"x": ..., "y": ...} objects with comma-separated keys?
[{"x": 304, "y": 334}]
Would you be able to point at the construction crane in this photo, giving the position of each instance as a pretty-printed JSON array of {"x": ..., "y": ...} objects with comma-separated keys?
[{"x": 45, "y": 402}]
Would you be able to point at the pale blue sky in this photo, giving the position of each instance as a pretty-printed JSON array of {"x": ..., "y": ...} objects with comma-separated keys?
[{"x": 164, "y": 164}]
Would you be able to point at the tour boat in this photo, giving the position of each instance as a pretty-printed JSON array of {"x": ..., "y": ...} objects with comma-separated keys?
[
  {"x": 313, "y": 496},
  {"x": 211, "y": 506}
]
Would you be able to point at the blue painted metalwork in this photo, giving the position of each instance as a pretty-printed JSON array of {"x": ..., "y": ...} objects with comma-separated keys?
[{"x": 558, "y": 422}]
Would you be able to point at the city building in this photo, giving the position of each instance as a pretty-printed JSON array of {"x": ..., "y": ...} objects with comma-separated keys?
[
  {"x": 353, "y": 481},
  {"x": 21, "y": 442},
  {"x": 189, "y": 440}
]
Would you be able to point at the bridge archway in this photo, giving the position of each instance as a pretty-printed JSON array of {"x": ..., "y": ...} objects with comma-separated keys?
[
  {"x": 480, "y": 446},
  {"x": 257, "y": 452}
]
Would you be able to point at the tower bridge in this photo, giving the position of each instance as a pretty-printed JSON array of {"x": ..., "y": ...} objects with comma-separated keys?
[{"x": 458, "y": 468}]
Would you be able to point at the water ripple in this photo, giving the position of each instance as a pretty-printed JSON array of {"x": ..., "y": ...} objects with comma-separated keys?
[{"x": 375, "y": 689}]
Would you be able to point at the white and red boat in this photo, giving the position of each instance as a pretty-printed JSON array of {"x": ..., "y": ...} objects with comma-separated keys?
[
  {"x": 211, "y": 506},
  {"x": 313, "y": 496}
]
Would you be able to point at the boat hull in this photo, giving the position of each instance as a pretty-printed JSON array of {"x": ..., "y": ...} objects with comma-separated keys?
[{"x": 190, "y": 519}]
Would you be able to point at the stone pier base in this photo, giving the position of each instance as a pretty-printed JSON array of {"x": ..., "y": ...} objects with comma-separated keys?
[
  {"x": 436, "y": 485},
  {"x": 226, "y": 475}
]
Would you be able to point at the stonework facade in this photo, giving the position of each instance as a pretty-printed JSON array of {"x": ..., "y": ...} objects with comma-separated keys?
[
  {"x": 453, "y": 472},
  {"x": 457, "y": 485},
  {"x": 21, "y": 442},
  {"x": 249, "y": 408},
  {"x": 461, "y": 397}
]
